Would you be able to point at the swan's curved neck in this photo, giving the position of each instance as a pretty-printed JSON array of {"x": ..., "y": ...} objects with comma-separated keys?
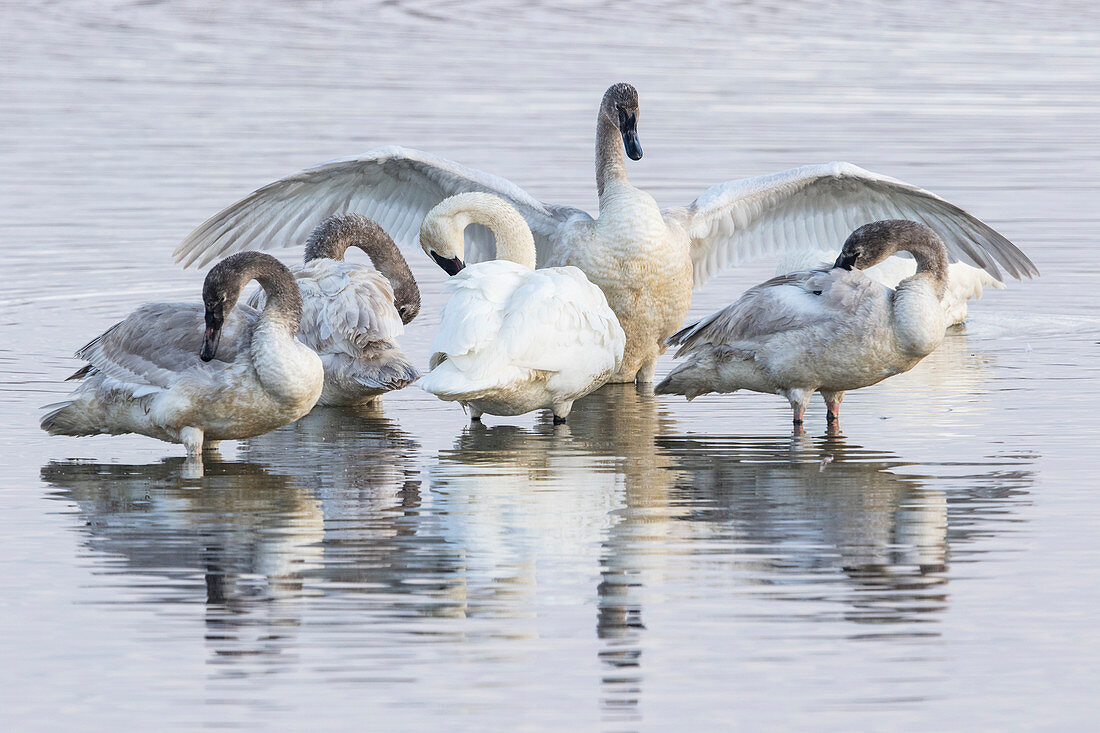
[
  {"x": 284, "y": 299},
  {"x": 931, "y": 260},
  {"x": 332, "y": 238},
  {"x": 223, "y": 285},
  {"x": 513, "y": 236},
  {"x": 610, "y": 157}
]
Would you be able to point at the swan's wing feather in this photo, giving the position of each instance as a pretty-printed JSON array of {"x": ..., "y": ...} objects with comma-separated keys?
[
  {"x": 470, "y": 324},
  {"x": 158, "y": 342},
  {"x": 819, "y": 206},
  {"x": 784, "y": 303},
  {"x": 394, "y": 186},
  {"x": 345, "y": 307},
  {"x": 558, "y": 321}
]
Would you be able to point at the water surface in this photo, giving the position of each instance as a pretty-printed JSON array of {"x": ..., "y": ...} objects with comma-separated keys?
[{"x": 654, "y": 563}]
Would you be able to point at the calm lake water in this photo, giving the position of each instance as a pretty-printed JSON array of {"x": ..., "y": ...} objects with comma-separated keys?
[{"x": 654, "y": 565}]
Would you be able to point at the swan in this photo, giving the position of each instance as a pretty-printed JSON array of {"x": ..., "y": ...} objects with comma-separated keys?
[
  {"x": 162, "y": 373},
  {"x": 353, "y": 313},
  {"x": 824, "y": 330},
  {"x": 644, "y": 258},
  {"x": 512, "y": 338}
]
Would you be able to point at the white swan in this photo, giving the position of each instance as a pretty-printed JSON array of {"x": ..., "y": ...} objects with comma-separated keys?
[
  {"x": 353, "y": 313},
  {"x": 161, "y": 373},
  {"x": 645, "y": 259},
  {"x": 513, "y": 339},
  {"x": 825, "y": 330}
]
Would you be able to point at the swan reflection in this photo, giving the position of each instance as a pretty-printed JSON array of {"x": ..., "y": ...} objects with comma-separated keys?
[
  {"x": 596, "y": 523},
  {"x": 241, "y": 538},
  {"x": 811, "y": 511}
]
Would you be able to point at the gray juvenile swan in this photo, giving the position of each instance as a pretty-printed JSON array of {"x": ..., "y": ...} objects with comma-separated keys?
[
  {"x": 826, "y": 330},
  {"x": 188, "y": 373},
  {"x": 353, "y": 313},
  {"x": 646, "y": 260}
]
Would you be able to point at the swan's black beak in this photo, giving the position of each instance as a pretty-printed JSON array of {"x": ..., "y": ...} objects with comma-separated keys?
[
  {"x": 451, "y": 266},
  {"x": 211, "y": 336},
  {"x": 846, "y": 260},
  {"x": 628, "y": 126}
]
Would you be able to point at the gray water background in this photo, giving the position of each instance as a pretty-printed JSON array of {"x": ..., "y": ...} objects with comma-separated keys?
[{"x": 658, "y": 564}]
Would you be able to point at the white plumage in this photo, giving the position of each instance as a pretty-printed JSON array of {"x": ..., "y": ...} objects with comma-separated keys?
[
  {"x": 645, "y": 259},
  {"x": 144, "y": 375},
  {"x": 512, "y": 339}
]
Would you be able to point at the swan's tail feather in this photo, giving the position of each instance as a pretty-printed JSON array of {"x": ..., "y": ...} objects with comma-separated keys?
[
  {"x": 393, "y": 375},
  {"x": 446, "y": 382},
  {"x": 690, "y": 380},
  {"x": 64, "y": 418}
]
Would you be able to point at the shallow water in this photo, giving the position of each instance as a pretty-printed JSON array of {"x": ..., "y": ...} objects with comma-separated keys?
[{"x": 653, "y": 564}]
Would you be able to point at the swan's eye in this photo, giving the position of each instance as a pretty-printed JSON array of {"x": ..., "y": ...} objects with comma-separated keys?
[{"x": 817, "y": 292}]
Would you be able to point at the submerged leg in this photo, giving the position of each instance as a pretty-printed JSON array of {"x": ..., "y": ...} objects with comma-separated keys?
[
  {"x": 475, "y": 414},
  {"x": 832, "y": 405},
  {"x": 192, "y": 441},
  {"x": 645, "y": 374},
  {"x": 799, "y": 399}
]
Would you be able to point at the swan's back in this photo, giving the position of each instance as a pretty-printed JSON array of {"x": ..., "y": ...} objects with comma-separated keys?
[
  {"x": 506, "y": 323},
  {"x": 159, "y": 343},
  {"x": 345, "y": 307},
  {"x": 789, "y": 306}
]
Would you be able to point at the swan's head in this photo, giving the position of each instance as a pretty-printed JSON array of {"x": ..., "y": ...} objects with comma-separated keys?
[
  {"x": 442, "y": 235},
  {"x": 620, "y": 108},
  {"x": 406, "y": 299},
  {"x": 220, "y": 292},
  {"x": 872, "y": 243},
  {"x": 222, "y": 289}
]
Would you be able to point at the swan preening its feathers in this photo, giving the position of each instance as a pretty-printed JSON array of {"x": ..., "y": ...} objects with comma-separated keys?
[
  {"x": 189, "y": 373},
  {"x": 824, "y": 330},
  {"x": 645, "y": 259},
  {"x": 352, "y": 313},
  {"x": 511, "y": 338}
]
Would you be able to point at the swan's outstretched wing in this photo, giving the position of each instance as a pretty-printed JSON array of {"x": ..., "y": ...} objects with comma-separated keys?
[
  {"x": 393, "y": 186},
  {"x": 818, "y": 206},
  {"x": 159, "y": 341},
  {"x": 345, "y": 307}
]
